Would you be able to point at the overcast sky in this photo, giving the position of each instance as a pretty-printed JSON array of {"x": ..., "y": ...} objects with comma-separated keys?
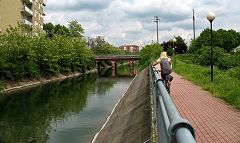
[{"x": 131, "y": 21}]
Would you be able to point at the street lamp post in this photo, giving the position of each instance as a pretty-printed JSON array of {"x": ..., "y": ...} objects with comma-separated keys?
[
  {"x": 211, "y": 16},
  {"x": 157, "y": 20},
  {"x": 174, "y": 57},
  {"x": 174, "y": 40}
]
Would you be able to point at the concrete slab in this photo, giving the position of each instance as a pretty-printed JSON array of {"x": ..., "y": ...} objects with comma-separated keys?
[{"x": 130, "y": 121}]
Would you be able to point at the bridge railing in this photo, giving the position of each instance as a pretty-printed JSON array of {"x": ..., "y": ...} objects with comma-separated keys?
[
  {"x": 171, "y": 127},
  {"x": 116, "y": 56}
]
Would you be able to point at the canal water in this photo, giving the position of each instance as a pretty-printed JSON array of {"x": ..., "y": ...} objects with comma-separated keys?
[{"x": 69, "y": 111}]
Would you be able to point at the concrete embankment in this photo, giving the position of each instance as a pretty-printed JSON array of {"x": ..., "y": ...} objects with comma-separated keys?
[
  {"x": 14, "y": 86},
  {"x": 130, "y": 120}
]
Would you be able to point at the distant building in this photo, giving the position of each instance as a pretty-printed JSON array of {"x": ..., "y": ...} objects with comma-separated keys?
[
  {"x": 129, "y": 48},
  {"x": 30, "y": 12}
]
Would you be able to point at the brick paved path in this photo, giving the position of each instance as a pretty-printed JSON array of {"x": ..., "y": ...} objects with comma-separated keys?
[{"x": 213, "y": 120}]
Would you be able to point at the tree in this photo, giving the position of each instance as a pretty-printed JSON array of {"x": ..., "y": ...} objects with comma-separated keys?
[
  {"x": 49, "y": 28},
  {"x": 227, "y": 40},
  {"x": 75, "y": 29},
  {"x": 179, "y": 46},
  {"x": 148, "y": 54},
  {"x": 61, "y": 30},
  {"x": 96, "y": 42},
  {"x": 202, "y": 56},
  {"x": 106, "y": 48},
  {"x": 58, "y": 29}
]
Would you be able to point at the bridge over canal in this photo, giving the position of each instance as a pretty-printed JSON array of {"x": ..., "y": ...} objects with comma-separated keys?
[
  {"x": 147, "y": 113},
  {"x": 115, "y": 58}
]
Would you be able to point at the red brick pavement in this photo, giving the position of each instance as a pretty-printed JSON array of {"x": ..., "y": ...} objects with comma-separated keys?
[{"x": 213, "y": 120}]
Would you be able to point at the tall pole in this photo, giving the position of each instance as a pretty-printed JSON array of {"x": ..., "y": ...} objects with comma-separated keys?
[
  {"x": 193, "y": 24},
  {"x": 157, "y": 20},
  {"x": 211, "y": 16},
  {"x": 157, "y": 32},
  {"x": 211, "y": 53}
]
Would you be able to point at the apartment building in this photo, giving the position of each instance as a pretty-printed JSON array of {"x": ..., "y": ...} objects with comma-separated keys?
[
  {"x": 30, "y": 12},
  {"x": 130, "y": 48}
]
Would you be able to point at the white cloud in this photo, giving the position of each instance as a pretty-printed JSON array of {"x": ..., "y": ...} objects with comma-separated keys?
[{"x": 131, "y": 21}]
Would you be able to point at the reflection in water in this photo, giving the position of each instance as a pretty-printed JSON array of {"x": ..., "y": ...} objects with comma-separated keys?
[
  {"x": 68, "y": 111},
  {"x": 121, "y": 71}
]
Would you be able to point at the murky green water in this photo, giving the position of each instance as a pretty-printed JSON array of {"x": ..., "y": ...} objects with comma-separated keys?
[{"x": 70, "y": 111}]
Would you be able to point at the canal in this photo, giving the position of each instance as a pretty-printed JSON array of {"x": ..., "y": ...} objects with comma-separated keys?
[{"x": 71, "y": 111}]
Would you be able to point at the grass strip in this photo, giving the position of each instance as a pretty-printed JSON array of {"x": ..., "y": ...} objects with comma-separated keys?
[{"x": 223, "y": 86}]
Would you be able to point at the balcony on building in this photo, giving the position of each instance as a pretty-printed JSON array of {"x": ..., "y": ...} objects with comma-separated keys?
[
  {"x": 28, "y": 1},
  {"x": 27, "y": 11},
  {"x": 27, "y": 22},
  {"x": 44, "y": 2}
]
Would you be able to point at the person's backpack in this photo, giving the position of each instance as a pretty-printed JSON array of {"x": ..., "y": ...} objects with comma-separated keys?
[{"x": 165, "y": 67}]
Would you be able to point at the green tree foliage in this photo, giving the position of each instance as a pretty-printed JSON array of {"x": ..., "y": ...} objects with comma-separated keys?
[
  {"x": 23, "y": 55},
  {"x": 99, "y": 46},
  {"x": 203, "y": 55},
  {"x": 148, "y": 54},
  {"x": 55, "y": 30},
  {"x": 96, "y": 42},
  {"x": 225, "y": 39},
  {"x": 230, "y": 61},
  {"x": 228, "y": 40},
  {"x": 61, "y": 30},
  {"x": 179, "y": 46},
  {"x": 49, "y": 28},
  {"x": 106, "y": 48},
  {"x": 75, "y": 29}
]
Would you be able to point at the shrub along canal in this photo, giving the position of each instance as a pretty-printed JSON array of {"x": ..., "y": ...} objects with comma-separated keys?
[{"x": 71, "y": 111}]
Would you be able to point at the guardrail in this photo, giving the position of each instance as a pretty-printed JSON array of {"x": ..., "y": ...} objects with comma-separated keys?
[{"x": 171, "y": 127}]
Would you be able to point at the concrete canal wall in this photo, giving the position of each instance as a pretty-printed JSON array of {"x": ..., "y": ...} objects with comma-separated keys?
[{"x": 130, "y": 120}]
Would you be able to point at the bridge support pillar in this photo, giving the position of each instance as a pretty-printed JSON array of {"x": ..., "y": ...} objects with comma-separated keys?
[
  {"x": 98, "y": 66},
  {"x": 114, "y": 64},
  {"x": 113, "y": 73},
  {"x": 132, "y": 69}
]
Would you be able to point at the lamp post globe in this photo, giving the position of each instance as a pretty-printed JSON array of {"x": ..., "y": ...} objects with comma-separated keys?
[{"x": 211, "y": 16}]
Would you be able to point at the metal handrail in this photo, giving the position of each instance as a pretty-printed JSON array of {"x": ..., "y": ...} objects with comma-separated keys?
[{"x": 171, "y": 127}]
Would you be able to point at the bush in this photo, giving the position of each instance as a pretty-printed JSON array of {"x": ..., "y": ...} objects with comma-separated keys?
[
  {"x": 229, "y": 61},
  {"x": 106, "y": 48},
  {"x": 203, "y": 56},
  {"x": 148, "y": 54},
  {"x": 24, "y": 55},
  {"x": 187, "y": 58},
  {"x": 234, "y": 72}
]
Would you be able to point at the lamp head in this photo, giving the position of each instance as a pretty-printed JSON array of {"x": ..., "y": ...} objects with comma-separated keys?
[{"x": 211, "y": 16}]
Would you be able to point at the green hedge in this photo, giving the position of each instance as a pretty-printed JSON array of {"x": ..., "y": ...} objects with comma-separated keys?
[{"x": 25, "y": 55}]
